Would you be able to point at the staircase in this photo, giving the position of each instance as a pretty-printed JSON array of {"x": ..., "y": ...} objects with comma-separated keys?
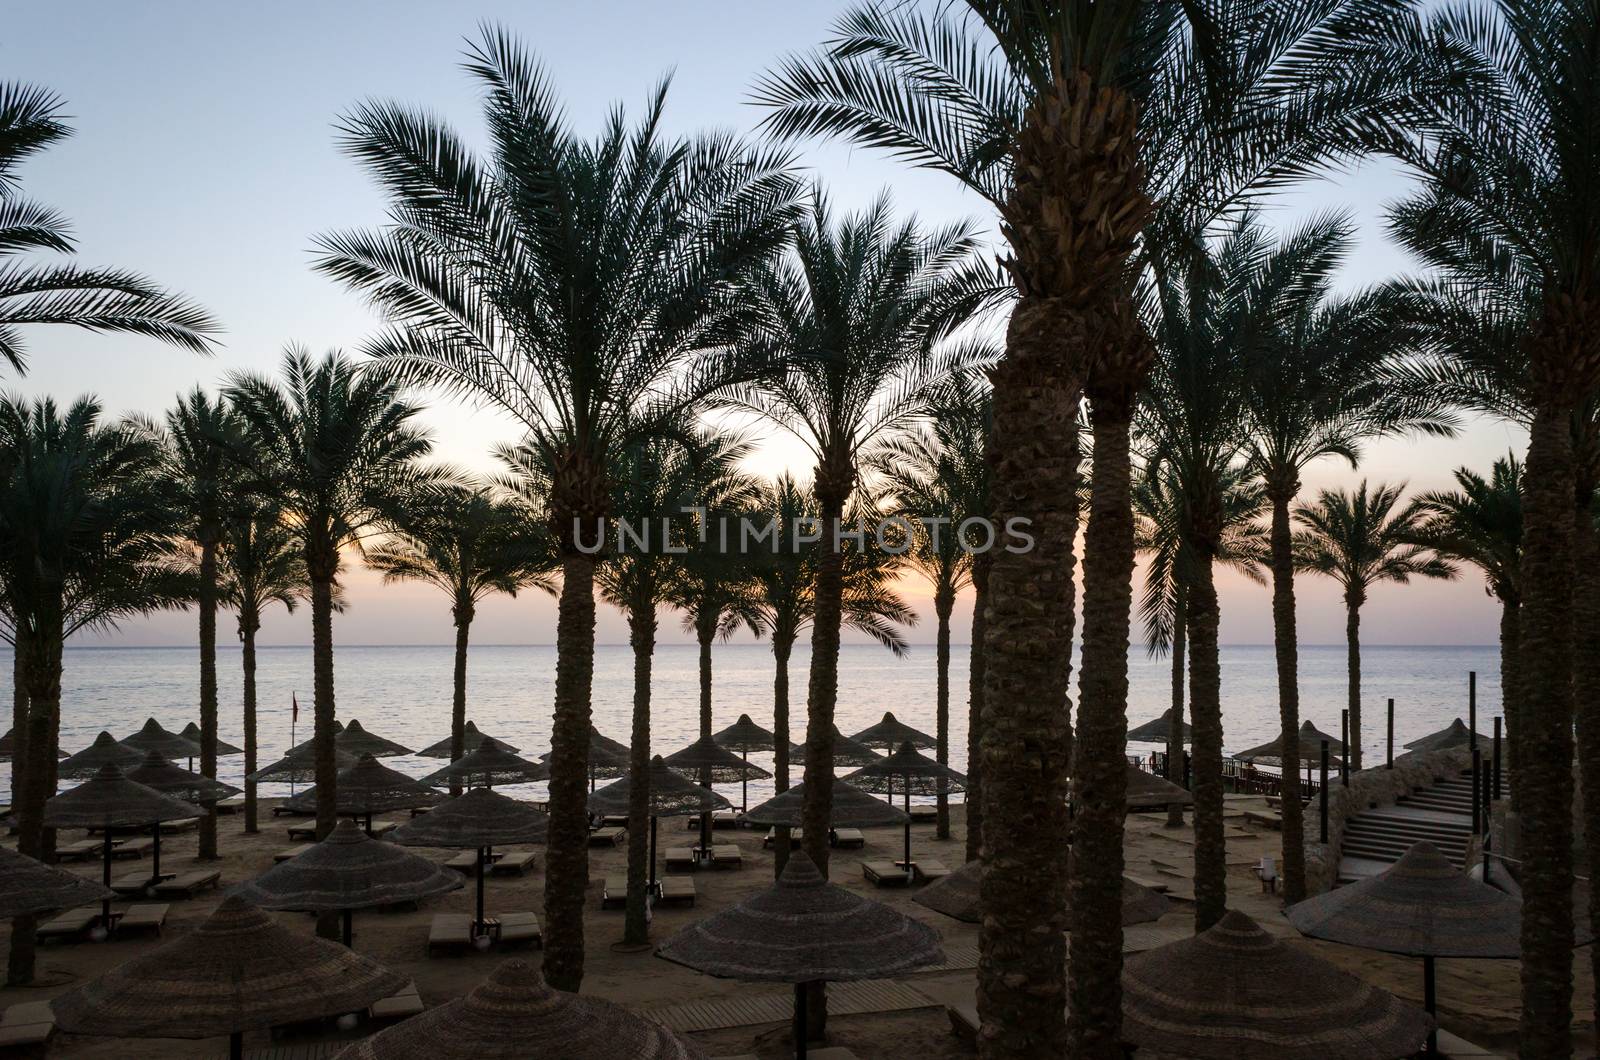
[{"x": 1376, "y": 839}]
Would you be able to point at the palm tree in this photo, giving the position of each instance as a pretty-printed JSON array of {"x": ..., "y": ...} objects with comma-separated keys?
[
  {"x": 202, "y": 432},
  {"x": 263, "y": 564},
  {"x": 1073, "y": 120},
  {"x": 334, "y": 448},
  {"x": 85, "y": 520},
  {"x": 469, "y": 544},
  {"x": 1360, "y": 541},
  {"x": 92, "y": 299},
  {"x": 1481, "y": 524},
  {"x": 587, "y": 289}
]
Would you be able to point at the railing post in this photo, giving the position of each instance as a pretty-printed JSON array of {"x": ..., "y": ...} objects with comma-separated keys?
[
  {"x": 1323, "y": 791},
  {"x": 1497, "y": 794},
  {"x": 1344, "y": 738},
  {"x": 1389, "y": 758},
  {"x": 1472, "y": 709},
  {"x": 1477, "y": 793}
]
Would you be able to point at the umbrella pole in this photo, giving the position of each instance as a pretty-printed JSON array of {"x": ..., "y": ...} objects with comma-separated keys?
[
  {"x": 800, "y": 1020},
  {"x": 236, "y": 1045},
  {"x": 652, "y": 852},
  {"x": 744, "y": 783},
  {"x": 483, "y": 867},
  {"x": 155, "y": 853},
  {"x": 908, "y": 824},
  {"x": 349, "y": 929},
  {"x": 1429, "y": 1004},
  {"x": 105, "y": 906}
]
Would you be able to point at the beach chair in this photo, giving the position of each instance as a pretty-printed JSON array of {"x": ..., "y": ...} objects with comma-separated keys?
[
  {"x": 884, "y": 874},
  {"x": 680, "y": 858},
  {"x": 228, "y": 806},
  {"x": 615, "y": 893},
  {"x": 726, "y": 819},
  {"x": 847, "y": 838},
  {"x": 281, "y": 810},
  {"x": 289, "y": 852},
  {"x": 80, "y": 849},
  {"x": 726, "y": 856},
  {"x": 185, "y": 824},
  {"x": 449, "y": 932},
  {"x": 614, "y": 820},
  {"x": 519, "y": 929},
  {"x": 930, "y": 869},
  {"x": 515, "y": 863},
  {"x": 132, "y": 884},
  {"x": 679, "y": 889},
  {"x": 70, "y": 924},
  {"x": 383, "y": 828},
  {"x": 607, "y": 837},
  {"x": 418, "y": 811},
  {"x": 465, "y": 862},
  {"x": 406, "y": 1003},
  {"x": 134, "y": 848},
  {"x": 25, "y": 1024},
  {"x": 924, "y": 814},
  {"x": 189, "y": 884},
  {"x": 796, "y": 836},
  {"x": 147, "y": 916},
  {"x": 306, "y": 832}
]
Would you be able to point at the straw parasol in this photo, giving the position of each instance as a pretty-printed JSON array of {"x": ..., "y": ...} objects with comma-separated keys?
[
  {"x": 1155, "y": 730},
  {"x": 1422, "y": 906},
  {"x": 1147, "y": 791},
  {"x": 890, "y": 734},
  {"x": 513, "y": 1015},
  {"x": 347, "y": 871},
  {"x": 300, "y": 765},
  {"x": 369, "y": 787},
  {"x": 1311, "y": 737},
  {"x": 479, "y": 819},
  {"x": 671, "y": 795},
  {"x": 104, "y": 751},
  {"x": 470, "y": 738},
  {"x": 191, "y": 732},
  {"x": 169, "y": 779},
  {"x": 802, "y": 930},
  {"x": 352, "y": 739},
  {"x": 110, "y": 800},
  {"x": 8, "y": 747},
  {"x": 607, "y": 758},
  {"x": 153, "y": 737},
  {"x": 851, "y": 808},
  {"x": 28, "y": 887},
  {"x": 491, "y": 763},
  {"x": 1236, "y": 992},
  {"x": 745, "y": 736},
  {"x": 238, "y": 971},
  {"x": 711, "y": 763},
  {"x": 957, "y": 896},
  {"x": 1456, "y": 734},
  {"x": 918, "y": 774},
  {"x": 846, "y": 752}
]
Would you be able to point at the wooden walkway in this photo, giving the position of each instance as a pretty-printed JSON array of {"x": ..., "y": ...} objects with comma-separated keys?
[{"x": 778, "y": 1006}]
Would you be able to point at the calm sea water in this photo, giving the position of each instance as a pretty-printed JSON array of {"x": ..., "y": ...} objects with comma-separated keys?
[{"x": 403, "y": 693}]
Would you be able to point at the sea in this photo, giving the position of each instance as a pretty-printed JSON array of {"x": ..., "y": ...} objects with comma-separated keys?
[{"x": 404, "y": 694}]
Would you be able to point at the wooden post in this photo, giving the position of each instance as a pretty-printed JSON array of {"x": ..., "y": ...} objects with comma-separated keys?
[
  {"x": 1497, "y": 758},
  {"x": 1389, "y": 758},
  {"x": 1324, "y": 791},
  {"x": 1344, "y": 738},
  {"x": 1472, "y": 709},
  {"x": 1477, "y": 793}
]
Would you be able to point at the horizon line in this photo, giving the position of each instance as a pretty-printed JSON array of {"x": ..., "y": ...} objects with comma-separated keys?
[{"x": 681, "y": 644}]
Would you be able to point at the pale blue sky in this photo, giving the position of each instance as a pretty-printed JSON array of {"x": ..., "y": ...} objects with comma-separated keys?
[{"x": 204, "y": 155}]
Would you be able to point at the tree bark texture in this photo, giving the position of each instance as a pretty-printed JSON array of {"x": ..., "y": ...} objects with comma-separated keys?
[
  {"x": 1510, "y": 686},
  {"x": 974, "y": 795},
  {"x": 642, "y": 636},
  {"x": 1586, "y": 689},
  {"x": 944, "y": 602},
  {"x": 324, "y": 710},
  {"x": 1205, "y": 692},
  {"x": 1352, "y": 640},
  {"x": 43, "y": 677},
  {"x": 463, "y": 613},
  {"x": 208, "y": 690},
  {"x": 19, "y": 715},
  {"x": 1180, "y": 632},
  {"x": 1286, "y": 650},
  {"x": 249, "y": 623}
]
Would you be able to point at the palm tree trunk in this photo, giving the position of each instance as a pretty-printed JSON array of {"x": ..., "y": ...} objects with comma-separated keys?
[
  {"x": 1099, "y": 769},
  {"x": 1546, "y": 659},
  {"x": 208, "y": 691},
  {"x": 944, "y": 601},
  {"x": 322, "y": 703},
  {"x": 1586, "y": 689},
  {"x": 1286, "y": 649},
  {"x": 1510, "y": 688},
  {"x": 1205, "y": 692},
  {"x": 706, "y": 632},
  {"x": 1352, "y": 639},
  {"x": 1180, "y": 622},
  {"x": 248, "y": 624},
  {"x": 463, "y": 614},
  {"x": 567, "y": 849},
  {"x": 642, "y": 635},
  {"x": 974, "y": 796},
  {"x": 19, "y": 713},
  {"x": 44, "y": 704},
  {"x": 782, "y": 646}
]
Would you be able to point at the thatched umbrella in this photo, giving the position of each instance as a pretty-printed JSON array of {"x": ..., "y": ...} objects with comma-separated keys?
[
  {"x": 238, "y": 971},
  {"x": 851, "y": 808},
  {"x": 347, "y": 871},
  {"x": 479, "y": 819},
  {"x": 490, "y": 764},
  {"x": 1421, "y": 906},
  {"x": 918, "y": 775},
  {"x": 191, "y": 732},
  {"x": 104, "y": 751},
  {"x": 369, "y": 787},
  {"x": 1456, "y": 734},
  {"x": 711, "y": 763},
  {"x": 957, "y": 896},
  {"x": 471, "y": 737},
  {"x": 745, "y": 736},
  {"x": 1311, "y": 737},
  {"x": 608, "y": 759},
  {"x": 1155, "y": 730},
  {"x": 352, "y": 739},
  {"x": 169, "y": 779},
  {"x": 1237, "y": 993},
  {"x": 154, "y": 737},
  {"x": 802, "y": 930},
  {"x": 891, "y": 733},
  {"x": 846, "y": 752},
  {"x": 110, "y": 800},
  {"x": 299, "y": 765},
  {"x": 1147, "y": 791},
  {"x": 8, "y": 747},
  {"x": 671, "y": 795},
  {"x": 28, "y": 887},
  {"x": 513, "y": 1015}
]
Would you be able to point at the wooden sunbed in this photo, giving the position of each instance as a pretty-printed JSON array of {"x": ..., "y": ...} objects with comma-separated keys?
[
  {"x": 289, "y": 852},
  {"x": 134, "y": 848},
  {"x": 726, "y": 856},
  {"x": 186, "y": 824},
  {"x": 924, "y": 814},
  {"x": 449, "y": 932},
  {"x": 189, "y": 884},
  {"x": 847, "y": 838},
  {"x": 232, "y": 805},
  {"x": 615, "y": 893},
  {"x": 281, "y": 810},
  {"x": 884, "y": 874},
  {"x": 930, "y": 869},
  {"x": 147, "y": 916},
  {"x": 519, "y": 929},
  {"x": 306, "y": 832},
  {"x": 770, "y": 840},
  {"x": 465, "y": 862},
  {"x": 406, "y": 1003},
  {"x": 680, "y": 858},
  {"x": 607, "y": 837},
  {"x": 383, "y": 828},
  {"x": 25, "y": 1024},
  {"x": 614, "y": 820},
  {"x": 726, "y": 819},
  {"x": 134, "y": 884},
  {"x": 678, "y": 889},
  {"x": 70, "y": 924},
  {"x": 515, "y": 863},
  {"x": 80, "y": 849}
]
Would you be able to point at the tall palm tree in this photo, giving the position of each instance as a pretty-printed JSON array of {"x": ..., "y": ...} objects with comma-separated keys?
[
  {"x": 85, "y": 520},
  {"x": 263, "y": 563},
  {"x": 1360, "y": 540},
  {"x": 1481, "y": 524},
  {"x": 88, "y": 298},
  {"x": 202, "y": 433},
  {"x": 469, "y": 544},
  {"x": 334, "y": 448},
  {"x": 587, "y": 289},
  {"x": 1073, "y": 120}
]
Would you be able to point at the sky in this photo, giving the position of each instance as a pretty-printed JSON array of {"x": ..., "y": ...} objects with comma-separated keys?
[{"x": 204, "y": 155}]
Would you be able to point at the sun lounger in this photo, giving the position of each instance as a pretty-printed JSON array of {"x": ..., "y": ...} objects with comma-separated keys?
[
  {"x": 726, "y": 856},
  {"x": 134, "y": 884},
  {"x": 408, "y": 1002},
  {"x": 80, "y": 849},
  {"x": 930, "y": 869},
  {"x": 726, "y": 819},
  {"x": 307, "y": 832},
  {"x": 615, "y": 894},
  {"x": 519, "y": 929},
  {"x": 449, "y": 931},
  {"x": 418, "y": 811},
  {"x": 233, "y": 805},
  {"x": 680, "y": 858},
  {"x": 884, "y": 874},
  {"x": 72, "y": 923},
  {"x": 614, "y": 820},
  {"x": 607, "y": 837},
  {"x": 847, "y": 838},
  {"x": 134, "y": 848},
  {"x": 770, "y": 840},
  {"x": 465, "y": 862},
  {"x": 27, "y": 1023},
  {"x": 678, "y": 889},
  {"x": 383, "y": 828},
  {"x": 186, "y": 824},
  {"x": 281, "y": 810},
  {"x": 289, "y": 852},
  {"x": 515, "y": 863},
  {"x": 148, "y": 916},
  {"x": 924, "y": 814},
  {"x": 189, "y": 884}
]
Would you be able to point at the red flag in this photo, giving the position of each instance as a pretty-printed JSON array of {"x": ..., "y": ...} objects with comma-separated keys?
[{"x": 294, "y": 718}]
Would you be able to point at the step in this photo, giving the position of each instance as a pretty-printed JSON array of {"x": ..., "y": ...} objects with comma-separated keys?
[
  {"x": 1359, "y": 827},
  {"x": 1394, "y": 851}
]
